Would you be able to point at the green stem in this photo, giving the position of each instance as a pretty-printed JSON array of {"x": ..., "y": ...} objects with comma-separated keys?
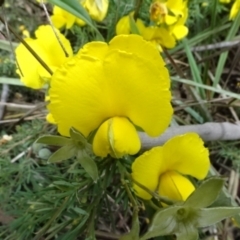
[
  {"x": 138, "y": 5},
  {"x": 155, "y": 195}
]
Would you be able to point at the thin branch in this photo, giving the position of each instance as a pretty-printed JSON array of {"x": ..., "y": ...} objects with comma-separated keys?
[
  {"x": 4, "y": 96},
  {"x": 207, "y": 131}
]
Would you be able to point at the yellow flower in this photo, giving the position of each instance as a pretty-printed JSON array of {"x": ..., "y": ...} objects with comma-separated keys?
[
  {"x": 123, "y": 25},
  {"x": 48, "y": 49},
  {"x": 168, "y": 12},
  {"x": 24, "y": 31},
  {"x": 111, "y": 89},
  {"x": 62, "y": 18},
  {"x": 235, "y": 9},
  {"x": 49, "y": 116},
  {"x": 225, "y": 1},
  {"x": 160, "y": 36},
  {"x": 178, "y": 30},
  {"x": 97, "y": 9},
  {"x": 161, "y": 168}
]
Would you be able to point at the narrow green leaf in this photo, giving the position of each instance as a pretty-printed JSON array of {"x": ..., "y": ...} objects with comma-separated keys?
[
  {"x": 194, "y": 68},
  {"x": 77, "y": 10},
  {"x": 11, "y": 81},
  {"x": 164, "y": 223},
  {"x": 63, "y": 183},
  {"x": 195, "y": 84},
  {"x": 223, "y": 57},
  {"x": 54, "y": 140},
  {"x": 210, "y": 216},
  {"x": 133, "y": 26},
  {"x": 89, "y": 165},
  {"x": 80, "y": 211},
  {"x": 210, "y": 189},
  {"x": 134, "y": 233},
  {"x": 73, "y": 7},
  {"x": 77, "y": 136},
  {"x": 5, "y": 45},
  {"x": 63, "y": 153}
]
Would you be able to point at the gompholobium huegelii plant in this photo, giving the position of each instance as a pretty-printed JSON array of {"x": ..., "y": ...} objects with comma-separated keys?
[{"x": 99, "y": 99}]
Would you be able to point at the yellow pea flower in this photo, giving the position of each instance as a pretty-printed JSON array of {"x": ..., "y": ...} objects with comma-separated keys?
[
  {"x": 111, "y": 89},
  {"x": 62, "y": 18},
  {"x": 97, "y": 9},
  {"x": 49, "y": 116},
  {"x": 48, "y": 49},
  {"x": 168, "y": 12},
  {"x": 179, "y": 30},
  {"x": 160, "y": 36},
  {"x": 162, "y": 168},
  {"x": 235, "y": 9}
]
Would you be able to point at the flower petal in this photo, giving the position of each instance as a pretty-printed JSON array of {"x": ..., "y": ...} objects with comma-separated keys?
[
  {"x": 47, "y": 47},
  {"x": 187, "y": 155},
  {"x": 97, "y": 9},
  {"x": 84, "y": 99},
  {"x": 146, "y": 170},
  {"x": 52, "y": 50},
  {"x": 25, "y": 59},
  {"x": 234, "y": 10},
  {"x": 61, "y": 18},
  {"x": 133, "y": 44},
  {"x": 116, "y": 136},
  {"x": 50, "y": 118},
  {"x": 180, "y": 31},
  {"x": 123, "y": 26},
  {"x": 175, "y": 186}
]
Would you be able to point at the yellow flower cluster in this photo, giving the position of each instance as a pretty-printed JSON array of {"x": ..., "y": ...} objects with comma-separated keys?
[
  {"x": 97, "y": 10},
  {"x": 111, "y": 90},
  {"x": 234, "y": 9},
  {"x": 168, "y": 19}
]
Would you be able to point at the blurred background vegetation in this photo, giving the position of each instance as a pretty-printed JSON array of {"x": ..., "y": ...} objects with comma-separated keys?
[{"x": 39, "y": 200}]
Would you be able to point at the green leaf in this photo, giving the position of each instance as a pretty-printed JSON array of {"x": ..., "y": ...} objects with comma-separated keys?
[
  {"x": 63, "y": 183},
  {"x": 89, "y": 165},
  {"x": 225, "y": 199},
  {"x": 54, "y": 140},
  {"x": 80, "y": 211},
  {"x": 209, "y": 88},
  {"x": 77, "y": 10},
  {"x": 194, "y": 68},
  {"x": 11, "y": 81},
  {"x": 5, "y": 45},
  {"x": 187, "y": 233},
  {"x": 133, "y": 26},
  {"x": 63, "y": 153},
  {"x": 77, "y": 136},
  {"x": 164, "y": 223},
  {"x": 223, "y": 57},
  {"x": 210, "y": 216},
  {"x": 210, "y": 189},
  {"x": 134, "y": 233}
]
